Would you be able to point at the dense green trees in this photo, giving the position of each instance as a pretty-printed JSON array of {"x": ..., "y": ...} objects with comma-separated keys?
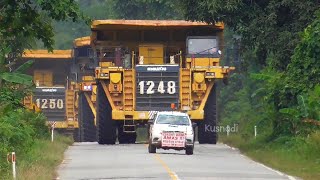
[
  {"x": 277, "y": 68},
  {"x": 147, "y": 9},
  {"x": 18, "y": 130},
  {"x": 66, "y": 32},
  {"x": 267, "y": 27},
  {"x": 304, "y": 69},
  {"x": 22, "y": 22},
  {"x": 31, "y": 19}
]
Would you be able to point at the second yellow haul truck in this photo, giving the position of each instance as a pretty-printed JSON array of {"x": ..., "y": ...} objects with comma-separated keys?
[
  {"x": 82, "y": 77},
  {"x": 146, "y": 66}
]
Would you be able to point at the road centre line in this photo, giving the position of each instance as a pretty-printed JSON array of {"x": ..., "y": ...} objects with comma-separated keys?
[{"x": 171, "y": 173}]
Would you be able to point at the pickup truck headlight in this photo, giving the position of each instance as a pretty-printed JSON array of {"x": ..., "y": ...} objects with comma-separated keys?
[
  {"x": 190, "y": 132},
  {"x": 156, "y": 133}
]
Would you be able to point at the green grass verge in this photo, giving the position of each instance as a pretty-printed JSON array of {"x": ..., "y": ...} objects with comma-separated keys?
[
  {"x": 295, "y": 156},
  {"x": 42, "y": 159}
]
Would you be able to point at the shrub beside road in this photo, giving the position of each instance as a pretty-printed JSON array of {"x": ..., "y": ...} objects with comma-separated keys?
[{"x": 25, "y": 133}]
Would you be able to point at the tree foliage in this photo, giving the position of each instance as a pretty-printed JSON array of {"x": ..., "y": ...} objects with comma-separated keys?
[
  {"x": 147, "y": 9},
  {"x": 31, "y": 19},
  {"x": 299, "y": 118},
  {"x": 279, "y": 58},
  {"x": 23, "y": 22},
  {"x": 13, "y": 76},
  {"x": 94, "y": 9},
  {"x": 113, "y": 9},
  {"x": 18, "y": 130},
  {"x": 304, "y": 70},
  {"x": 267, "y": 27}
]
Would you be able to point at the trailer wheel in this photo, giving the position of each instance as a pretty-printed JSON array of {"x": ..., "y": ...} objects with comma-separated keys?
[
  {"x": 86, "y": 120},
  {"x": 206, "y": 128},
  {"x": 105, "y": 125}
]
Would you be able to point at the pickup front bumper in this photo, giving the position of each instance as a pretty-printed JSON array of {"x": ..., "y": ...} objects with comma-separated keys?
[{"x": 157, "y": 143}]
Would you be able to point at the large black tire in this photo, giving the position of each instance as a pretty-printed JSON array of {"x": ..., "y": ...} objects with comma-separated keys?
[
  {"x": 189, "y": 150},
  {"x": 86, "y": 120},
  {"x": 207, "y": 128},
  {"x": 105, "y": 125},
  {"x": 121, "y": 135},
  {"x": 152, "y": 148},
  {"x": 124, "y": 137},
  {"x": 132, "y": 137},
  {"x": 76, "y": 135},
  {"x": 148, "y": 131}
]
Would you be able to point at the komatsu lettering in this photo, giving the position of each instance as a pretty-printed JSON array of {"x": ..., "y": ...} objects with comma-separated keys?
[
  {"x": 49, "y": 90},
  {"x": 156, "y": 69}
]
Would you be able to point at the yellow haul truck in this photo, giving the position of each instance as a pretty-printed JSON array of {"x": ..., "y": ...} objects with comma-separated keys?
[
  {"x": 52, "y": 94},
  {"x": 146, "y": 66},
  {"x": 82, "y": 76}
]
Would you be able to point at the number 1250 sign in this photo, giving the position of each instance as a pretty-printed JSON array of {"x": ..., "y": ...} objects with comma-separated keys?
[
  {"x": 50, "y": 103},
  {"x": 170, "y": 87}
]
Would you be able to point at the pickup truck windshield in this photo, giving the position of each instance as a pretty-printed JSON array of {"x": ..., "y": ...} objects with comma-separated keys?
[{"x": 172, "y": 119}]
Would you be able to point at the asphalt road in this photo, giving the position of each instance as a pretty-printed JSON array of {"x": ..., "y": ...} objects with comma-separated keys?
[{"x": 90, "y": 161}]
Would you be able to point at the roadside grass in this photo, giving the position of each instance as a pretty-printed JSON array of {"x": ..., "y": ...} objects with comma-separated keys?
[
  {"x": 295, "y": 156},
  {"x": 42, "y": 159}
]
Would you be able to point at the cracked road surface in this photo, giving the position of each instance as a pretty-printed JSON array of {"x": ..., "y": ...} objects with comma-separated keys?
[{"x": 91, "y": 161}]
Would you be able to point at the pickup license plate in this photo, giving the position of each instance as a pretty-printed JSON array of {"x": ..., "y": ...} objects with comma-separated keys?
[{"x": 173, "y": 139}]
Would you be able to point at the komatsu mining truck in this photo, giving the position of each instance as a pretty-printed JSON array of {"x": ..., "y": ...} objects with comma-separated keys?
[
  {"x": 147, "y": 66},
  {"x": 82, "y": 78},
  {"x": 52, "y": 94}
]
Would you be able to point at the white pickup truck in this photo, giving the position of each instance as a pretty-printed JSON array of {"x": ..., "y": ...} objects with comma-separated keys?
[{"x": 171, "y": 130}]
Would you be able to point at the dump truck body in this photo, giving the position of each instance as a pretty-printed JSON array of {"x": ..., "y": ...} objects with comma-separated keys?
[
  {"x": 50, "y": 73},
  {"x": 145, "y": 66}
]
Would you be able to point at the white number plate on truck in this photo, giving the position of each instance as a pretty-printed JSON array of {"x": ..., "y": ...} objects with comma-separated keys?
[{"x": 173, "y": 139}]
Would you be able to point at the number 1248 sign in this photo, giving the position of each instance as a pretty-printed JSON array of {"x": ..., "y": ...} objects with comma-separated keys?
[{"x": 163, "y": 87}]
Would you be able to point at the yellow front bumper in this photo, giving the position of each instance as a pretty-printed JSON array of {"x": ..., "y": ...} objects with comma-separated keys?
[
  {"x": 63, "y": 124},
  {"x": 146, "y": 115}
]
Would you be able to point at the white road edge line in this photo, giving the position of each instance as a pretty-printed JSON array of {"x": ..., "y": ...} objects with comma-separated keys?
[
  {"x": 269, "y": 168},
  {"x": 235, "y": 149}
]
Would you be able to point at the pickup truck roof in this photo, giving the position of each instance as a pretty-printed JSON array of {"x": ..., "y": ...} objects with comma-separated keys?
[{"x": 177, "y": 113}]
